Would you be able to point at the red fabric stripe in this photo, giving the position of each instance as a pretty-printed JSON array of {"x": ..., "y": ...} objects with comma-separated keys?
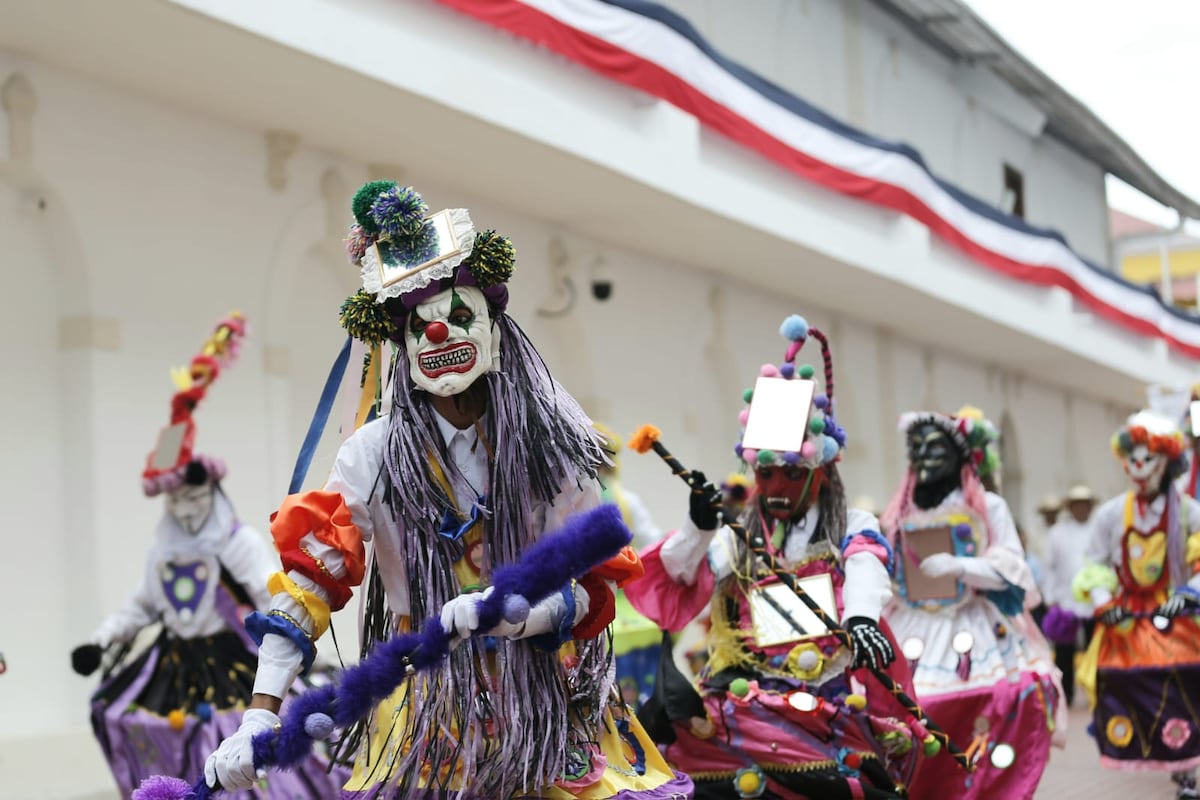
[{"x": 630, "y": 69}]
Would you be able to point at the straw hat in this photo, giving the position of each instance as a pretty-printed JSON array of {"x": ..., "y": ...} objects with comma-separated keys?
[
  {"x": 1080, "y": 493},
  {"x": 1049, "y": 503}
]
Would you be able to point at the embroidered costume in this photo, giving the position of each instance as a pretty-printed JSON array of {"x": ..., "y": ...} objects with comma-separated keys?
[
  {"x": 1142, "y": 669},
  {"x": 162, "y": 712},
  {"x": 482, "y": 452},
  {"x": 981, "y": 668},
  {"x": 781, "y": 712}
]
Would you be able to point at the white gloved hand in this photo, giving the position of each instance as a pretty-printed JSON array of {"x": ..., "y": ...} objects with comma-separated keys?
[
  {"x": 232, "y": 765},
  {"x": 460, "y": 615},
  {"x": 1099, "y": 596},
  {"x": 940, "y": 565}
]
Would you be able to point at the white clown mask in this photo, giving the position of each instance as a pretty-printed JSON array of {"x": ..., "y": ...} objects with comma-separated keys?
[
  {"x": 451, "y": 341},
  {"x": 191, "y": 505},
  {"x": 1145, "y": 468}
]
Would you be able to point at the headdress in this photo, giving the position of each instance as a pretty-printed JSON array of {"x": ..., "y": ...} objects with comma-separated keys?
[
  {"x": 405, "y": 255},
  {"x": 167, "y": 465},
  {"x": 1160, "y": 435},
  {"x": 972, "y": 436},
  {"x": 792, "y": 425}
]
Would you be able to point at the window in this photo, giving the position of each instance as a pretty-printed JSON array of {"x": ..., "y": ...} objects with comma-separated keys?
[{"x": 1013, "y": 199}]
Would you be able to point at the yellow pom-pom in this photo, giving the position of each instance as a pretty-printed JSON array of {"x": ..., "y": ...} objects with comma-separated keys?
[
  {"x": 644, "y": 438},
  {"x": 856, "y": 701},
  {"x": 176, "y": 720}
]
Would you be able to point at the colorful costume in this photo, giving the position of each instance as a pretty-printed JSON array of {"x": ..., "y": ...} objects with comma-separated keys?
[
  {"x": 781, "y": 713},
  {"x": 482, "y": 452},
  {"x": 1142, "y": 670},
  {"x": 162, "y": 712},
  {"x": 981, "y": 669}
]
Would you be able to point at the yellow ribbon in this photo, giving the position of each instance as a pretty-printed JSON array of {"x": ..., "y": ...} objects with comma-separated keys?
[
  {"x": 370, "y": 387},
  {"x": 316, "y": 608}
]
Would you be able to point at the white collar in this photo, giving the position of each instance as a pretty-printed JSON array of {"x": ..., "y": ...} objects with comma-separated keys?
[{"x": 449, "y": 431}]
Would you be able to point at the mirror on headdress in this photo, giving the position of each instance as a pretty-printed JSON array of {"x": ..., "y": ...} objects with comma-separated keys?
[
  {"x": 170, "y": 443},
  {"x": 779, "y": 412},
  {"x": 1194, "y": 413},
  {"x": 400, "y": 257}
]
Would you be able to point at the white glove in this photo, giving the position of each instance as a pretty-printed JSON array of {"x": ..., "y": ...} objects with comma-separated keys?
[
  {"x": 1099, "y": 596},
  {"x": 460, "y": 615},
  {"x": 232, "y": 765},
  {"x": 940, "y": 565}
]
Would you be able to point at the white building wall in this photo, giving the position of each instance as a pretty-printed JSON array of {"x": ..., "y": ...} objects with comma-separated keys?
[
  {"x": 858, "y": 64},
  {"x": 173, "y": 225}
]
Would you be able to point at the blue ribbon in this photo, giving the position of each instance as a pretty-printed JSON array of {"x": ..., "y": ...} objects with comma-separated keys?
[
  {"x": 320, "y": 418},
  {"x": 454, "y": 528}
]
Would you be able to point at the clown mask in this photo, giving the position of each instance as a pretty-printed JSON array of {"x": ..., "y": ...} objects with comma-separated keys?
[
  {"x": 781, "y": 489},
  {"x": 1145, "y": 468},
  {"x": 932, "y": 454},
  {"x": 451, "y": 342},
  {"x": 190, "y": 505}
]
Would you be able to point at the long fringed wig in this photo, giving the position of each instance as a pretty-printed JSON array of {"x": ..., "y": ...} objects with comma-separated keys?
[{"x": 517, "y": 731}]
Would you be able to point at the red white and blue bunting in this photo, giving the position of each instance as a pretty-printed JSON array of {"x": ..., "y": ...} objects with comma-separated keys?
[{"x": 646, "y": 46}]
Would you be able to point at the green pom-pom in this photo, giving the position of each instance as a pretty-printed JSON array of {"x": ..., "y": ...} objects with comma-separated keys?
[
  {"x": 816, "y": 425},
  {"x": 365, "y": 319},
  {"x": 766, "y": 456},
  {"x": 364, "y": 198},
  {"x": 747, "y": 395},
  {"x": 492, "y": 259},
  {"x": 739, "y": 687},
  {"x": 806, "y": 371},
  {"x": 931, "y": 746}
]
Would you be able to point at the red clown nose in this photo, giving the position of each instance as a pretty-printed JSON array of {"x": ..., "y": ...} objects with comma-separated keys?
[{"x": 437, "y": 332}]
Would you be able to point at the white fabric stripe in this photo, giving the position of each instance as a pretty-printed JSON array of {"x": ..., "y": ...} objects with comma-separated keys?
[{"x": 660, "y": 45}]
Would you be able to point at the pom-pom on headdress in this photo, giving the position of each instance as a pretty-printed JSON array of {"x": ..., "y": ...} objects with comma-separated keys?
[
  {"x": 824, "y": 439},
  {"x": 167, "y": 466},
  {"x": 405, "y": 255}
]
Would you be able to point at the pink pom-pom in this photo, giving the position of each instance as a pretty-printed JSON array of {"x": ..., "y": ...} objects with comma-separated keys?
[
  {"x": 161, "y": 787},
  {"x": 808, "y": 450},
  {"x": 750, "y": 456},
  {"x": 357, "y": 243},
  {"x": 744, "y": 416},
  {"x": 768, "y": 370}
]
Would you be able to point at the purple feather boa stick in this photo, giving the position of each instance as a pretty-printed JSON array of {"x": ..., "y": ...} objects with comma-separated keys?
[{"x": 585, "y": 541}]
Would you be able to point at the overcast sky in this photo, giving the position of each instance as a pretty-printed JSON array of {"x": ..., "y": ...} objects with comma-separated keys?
[{"x": 1134, "y": 62}]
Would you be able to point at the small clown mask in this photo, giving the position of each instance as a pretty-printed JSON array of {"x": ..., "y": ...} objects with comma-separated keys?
[
  {"x": 451, "y": 342},
  {"x": 781, "y": 489},
  {"x": 190, "y": 505},
  {"x": 1145, "y": 468},
  {"x": 932, "y": 454}
]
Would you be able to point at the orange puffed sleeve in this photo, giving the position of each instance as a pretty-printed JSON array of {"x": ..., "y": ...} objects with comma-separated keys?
[
  {"x": 622, "y": 569},
  {"x": 325, "y": 516}
]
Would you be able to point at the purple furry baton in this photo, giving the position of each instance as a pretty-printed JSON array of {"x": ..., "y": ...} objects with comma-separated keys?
[{"x": 585, "y": 541}]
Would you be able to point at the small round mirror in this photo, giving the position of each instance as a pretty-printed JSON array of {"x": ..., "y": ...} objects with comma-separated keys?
[{"x": 1003, "y": 756}]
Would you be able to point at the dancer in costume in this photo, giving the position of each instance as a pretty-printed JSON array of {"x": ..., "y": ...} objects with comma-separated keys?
[
  {"x": 1142, "y": 670},
  {"x": 163, "y": 712},
  {"x": 980, "y": 666},
  {"x": 481, "y": 453},
  {"x": 636, "y": 640},
  {"x": 780, "y": 714}
]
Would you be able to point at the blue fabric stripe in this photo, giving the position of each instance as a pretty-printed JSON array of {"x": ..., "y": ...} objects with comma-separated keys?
[
  {"x": 796, "y": 105},
  {"x": 320, "y": 418}
]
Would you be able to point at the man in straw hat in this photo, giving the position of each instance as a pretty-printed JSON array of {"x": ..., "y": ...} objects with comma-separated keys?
[{"x": 1063, "y": 560}]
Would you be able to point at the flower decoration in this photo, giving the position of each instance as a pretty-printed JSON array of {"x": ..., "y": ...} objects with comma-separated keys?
[
  {"x": 1176, "y": 732},
  {"x": 1119, "y": 731},
  {"x": 805, "y": 661}
]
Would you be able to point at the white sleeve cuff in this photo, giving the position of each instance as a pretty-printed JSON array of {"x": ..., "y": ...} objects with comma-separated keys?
[
  {"x": 867, "y": 587},
  {"x": 683, "y": 552},
  {"x": 279, "y": 664}
]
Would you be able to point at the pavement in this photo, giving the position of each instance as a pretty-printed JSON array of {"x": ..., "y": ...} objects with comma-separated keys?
[{"x": 1075, "y": 772}]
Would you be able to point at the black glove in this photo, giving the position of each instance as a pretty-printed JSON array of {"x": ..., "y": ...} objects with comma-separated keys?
[
  {"x": 871, "y": 648},
  {"x": 85, "y": 659},
  {"x": 1176, "y": 604},
  {"x": 1115, "y": 615},
  {"x": 704, "y": 503}
]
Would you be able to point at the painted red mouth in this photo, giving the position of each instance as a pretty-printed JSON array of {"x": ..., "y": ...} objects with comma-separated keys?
[{"x": 458, "y": 358}]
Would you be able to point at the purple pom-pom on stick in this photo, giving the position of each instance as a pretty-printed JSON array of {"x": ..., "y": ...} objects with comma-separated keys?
[
  {"x": 516, "y": 609},
  {"x": 318, "y": 726},
  {"x": 161, "y": 787}
]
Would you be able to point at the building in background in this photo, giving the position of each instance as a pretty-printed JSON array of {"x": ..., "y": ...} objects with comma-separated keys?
[
  {"x": 1150, "y": 255},
  {"x": 677, "y": 179}
]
